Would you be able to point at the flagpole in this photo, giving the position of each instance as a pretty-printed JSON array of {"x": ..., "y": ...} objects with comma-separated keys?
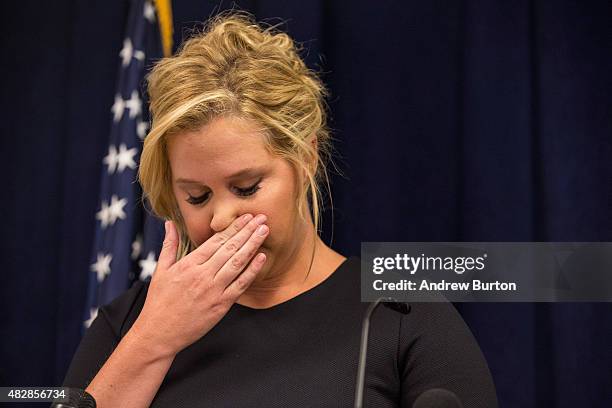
[{"x": 166, "y": 25}]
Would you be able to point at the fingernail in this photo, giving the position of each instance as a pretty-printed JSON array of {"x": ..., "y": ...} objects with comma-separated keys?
[
  {"x": 261, "y": 219},
  {"x": 262, "y": 230},
  {"x": 166, "y": 227}
]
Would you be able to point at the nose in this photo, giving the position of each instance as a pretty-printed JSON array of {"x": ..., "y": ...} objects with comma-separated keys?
[{"x": 224, "y": 214}]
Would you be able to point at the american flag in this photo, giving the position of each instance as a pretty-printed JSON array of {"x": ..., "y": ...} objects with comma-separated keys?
[{"x": 127, "y": 238}]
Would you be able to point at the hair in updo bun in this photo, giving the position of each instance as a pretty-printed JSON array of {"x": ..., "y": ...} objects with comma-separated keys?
[{"x": 236, "y": 67}]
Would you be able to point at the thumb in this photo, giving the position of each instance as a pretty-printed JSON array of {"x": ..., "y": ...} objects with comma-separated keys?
[{"x": 167, "y": 255}]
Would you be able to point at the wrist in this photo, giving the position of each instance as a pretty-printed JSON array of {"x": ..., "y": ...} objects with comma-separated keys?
[{"x": 142, "y": 342}]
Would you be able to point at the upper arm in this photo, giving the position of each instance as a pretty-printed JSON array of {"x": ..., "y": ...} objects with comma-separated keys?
[
  {"x": 104, "y": 334},
  {"x": 438, "y": 350},
  {"x": 96, "y": 346}
]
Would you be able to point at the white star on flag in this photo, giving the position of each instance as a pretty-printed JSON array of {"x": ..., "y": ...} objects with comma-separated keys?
[
  {"x": 108, "y": 214},
  {"x": 147, "y": 266},
  {"x": 137, "y": 247},
  {"x": 119, "y": 160},
  {"x": 139, "y": 55},
  {"x": 116, "y": 208},
  {"x": 134, "y": 105},
  {"x": 125, "y": 158},
  {"x": 126, "y": 52},
  {"x": 118, "y": 108},
  {"x": 93, "y": 313},
  {"x": 111, "y": 159},
  {"x": 141, "y": 129},
  {"x": 103, "y": 215},
  {"x": 149, "y": 12},
  {"x": 102, "y": 265}
]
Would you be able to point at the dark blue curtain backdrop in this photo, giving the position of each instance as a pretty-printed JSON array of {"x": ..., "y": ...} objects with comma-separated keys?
[{"x": 455, "y": 121}]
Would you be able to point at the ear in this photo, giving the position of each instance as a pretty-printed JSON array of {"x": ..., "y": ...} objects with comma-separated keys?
[{"x": 313, "y": 140}]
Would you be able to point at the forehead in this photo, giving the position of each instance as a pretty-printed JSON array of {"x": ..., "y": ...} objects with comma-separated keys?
[{"x": 223, "y": 146}]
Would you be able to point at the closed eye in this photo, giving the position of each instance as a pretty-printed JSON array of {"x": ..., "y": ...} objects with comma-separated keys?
[
  {"x": 248, "y": 191},
  {"x": 241, "y": 192},
  {"x": 197, "y": 200}
]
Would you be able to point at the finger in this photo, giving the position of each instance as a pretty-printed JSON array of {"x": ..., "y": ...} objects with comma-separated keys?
[
  {"x": 244, "y": 280},
  {"x": 202, "y": 253},
  {"x": 232, "y": 268},
  {"x": 234, "y": 244},
  {"x": 167, "y": 255}
]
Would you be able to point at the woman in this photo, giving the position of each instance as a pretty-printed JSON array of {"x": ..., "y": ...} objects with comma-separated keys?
[{"x": 248, "y": 307}]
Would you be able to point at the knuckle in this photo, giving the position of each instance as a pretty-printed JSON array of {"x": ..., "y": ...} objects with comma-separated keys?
[
  {"x": 235, "y": 227},
  {"x": 244, "y": 281},
  {"x": 237, "y": 262},
  {"x": 168, "y": 243},
  {"x": 220, "y": 239},
  {"x": 182, "y": 266},
  {"x": 231, "y": 247},
  {"x": 242, "y": 284},
  {"x": 210, "y": 291},
  {"x": 220, "y": 307},
  {"x": 251, "y": 250}
]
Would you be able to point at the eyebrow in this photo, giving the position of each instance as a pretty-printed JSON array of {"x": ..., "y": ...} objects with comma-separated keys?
[{"x": 246, "y": 172}]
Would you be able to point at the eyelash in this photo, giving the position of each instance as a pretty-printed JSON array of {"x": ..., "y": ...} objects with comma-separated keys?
[{"x": 241, "y": 192}]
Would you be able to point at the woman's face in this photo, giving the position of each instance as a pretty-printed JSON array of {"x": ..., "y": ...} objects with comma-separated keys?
[{"x": 223, "y": 171}]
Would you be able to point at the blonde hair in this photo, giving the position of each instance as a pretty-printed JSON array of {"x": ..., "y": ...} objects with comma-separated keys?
[{"x": 235, "y": 67}]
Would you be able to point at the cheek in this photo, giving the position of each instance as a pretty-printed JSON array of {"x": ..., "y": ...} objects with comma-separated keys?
[
  {"x": 282, "y": 218},
  {"x": 268, "y": 205},
  {"x": 199, "y": 232},
  {"x": 197, "y": 223}
]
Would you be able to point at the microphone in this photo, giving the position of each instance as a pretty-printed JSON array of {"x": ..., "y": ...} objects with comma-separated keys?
[
  {"x": 77, "y": 398},
  {"x": 437, "y": 398},
  {"x": 391, "y": 303}
]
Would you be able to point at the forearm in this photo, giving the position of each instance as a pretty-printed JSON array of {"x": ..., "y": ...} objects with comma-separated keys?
[{"x": 132, "y": 374}]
